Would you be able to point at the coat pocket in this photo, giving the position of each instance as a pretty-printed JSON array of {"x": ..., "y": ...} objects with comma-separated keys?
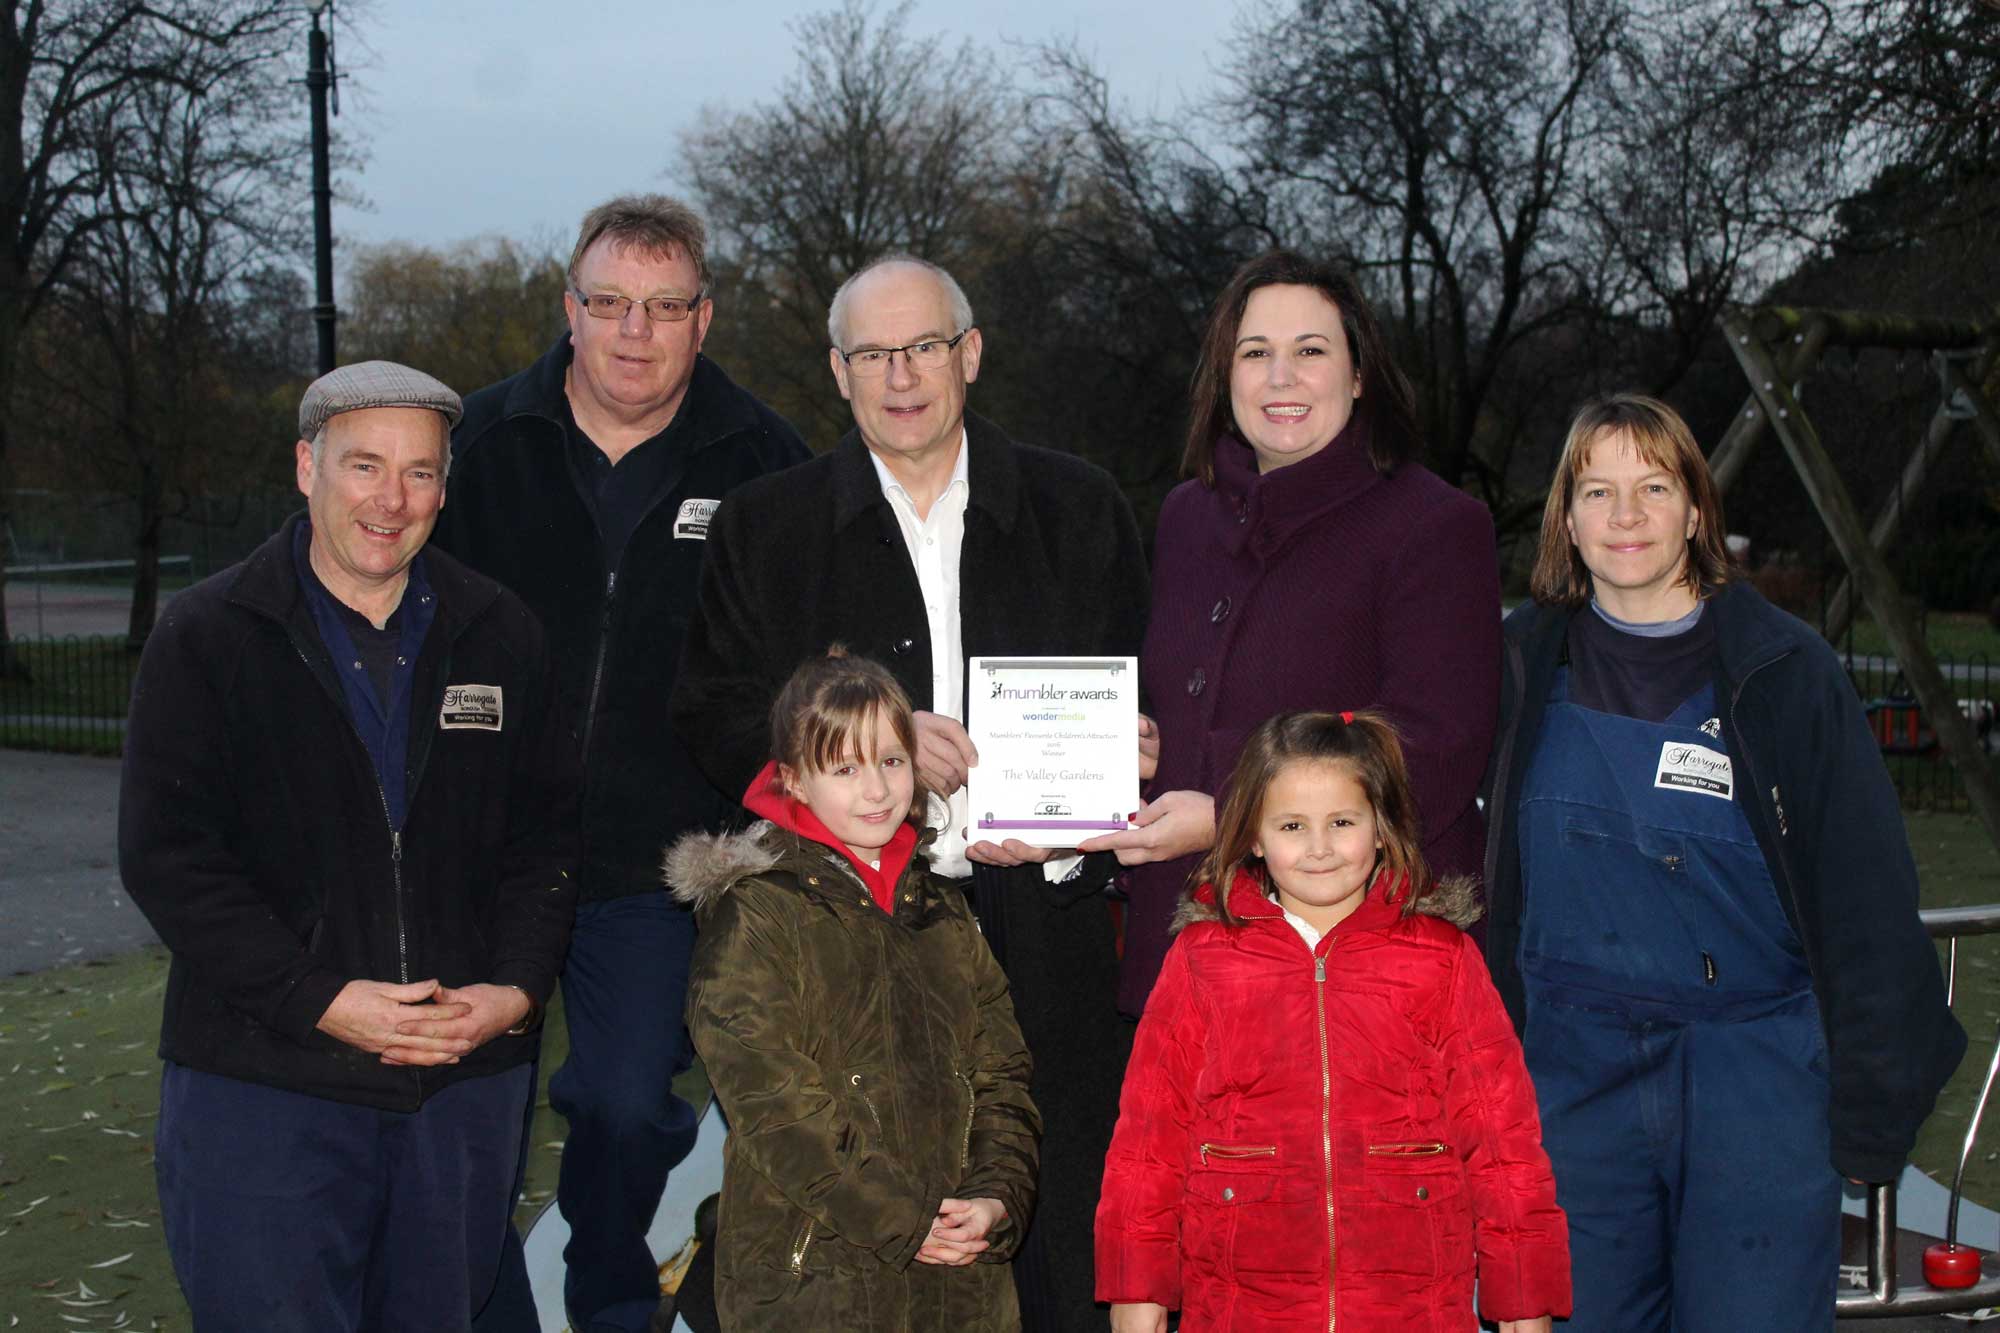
[
  {"x": 862, "y": 1085},
  {"x": 801, "y": 1246},
  {"x": 1416, "y": 1211},
  {"x": 1223, "y": 1155},
  {"x": 1231, "y": 1188},
  {"x": 971, "y": 1110},
  {"x": 1415, "y": 1172}
]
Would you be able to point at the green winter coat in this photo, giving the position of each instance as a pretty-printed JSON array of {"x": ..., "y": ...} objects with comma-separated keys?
[{"x": 870, "y": 1067}]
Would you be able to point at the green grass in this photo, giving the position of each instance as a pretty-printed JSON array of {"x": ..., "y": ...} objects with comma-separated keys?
[
  {"x": 79, "y": 1092},
  {"x": 1960, "y": 636},
  {"x": 55, "y": 735}
]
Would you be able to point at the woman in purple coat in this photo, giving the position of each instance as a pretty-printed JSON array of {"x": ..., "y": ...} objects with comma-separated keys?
[{"x": 1308, "y": 563}]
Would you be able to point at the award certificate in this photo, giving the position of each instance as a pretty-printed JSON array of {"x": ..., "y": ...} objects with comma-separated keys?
[{"x": 1058, "y": 742}]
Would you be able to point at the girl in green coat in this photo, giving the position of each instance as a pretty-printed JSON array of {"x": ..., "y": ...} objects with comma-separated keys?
[{"x": 880, "y": 1165}]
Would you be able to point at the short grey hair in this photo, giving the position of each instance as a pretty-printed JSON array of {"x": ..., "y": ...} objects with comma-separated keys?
[
  {"x": 954, "y": 295},
  {"x": 656, "y": 225},
  {"x": 318, "y": 443}
]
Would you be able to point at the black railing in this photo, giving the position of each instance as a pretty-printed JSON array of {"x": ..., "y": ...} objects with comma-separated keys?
[
  {"x": 1925, "y": 778},
  {"x": 1885, "y": 1295},
  {"x": 74, "y": 697}
]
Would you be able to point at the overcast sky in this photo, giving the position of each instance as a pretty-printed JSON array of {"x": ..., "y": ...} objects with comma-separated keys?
[{"x": 515, "y": 116}]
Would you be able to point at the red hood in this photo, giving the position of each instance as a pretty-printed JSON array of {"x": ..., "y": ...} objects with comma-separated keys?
[
  {"x": 1380, "y": 908},
  {"x": 766, "y": 797}
]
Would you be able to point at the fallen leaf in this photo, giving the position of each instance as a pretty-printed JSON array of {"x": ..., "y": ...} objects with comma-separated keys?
[{"x": 113, "y": 1263}]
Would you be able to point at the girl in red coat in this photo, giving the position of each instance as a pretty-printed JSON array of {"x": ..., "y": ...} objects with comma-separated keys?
[{"x": 1326, "y": 1123}]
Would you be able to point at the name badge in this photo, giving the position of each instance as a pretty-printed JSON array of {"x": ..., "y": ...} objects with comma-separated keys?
[
  {"x": 471, "y": 706},
  {"x": 692, "y": 521},
  {"x": 1695, "y": 768}
]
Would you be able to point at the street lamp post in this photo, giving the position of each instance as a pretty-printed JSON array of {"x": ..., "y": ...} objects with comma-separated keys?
[{"x": 319, "y": 83}]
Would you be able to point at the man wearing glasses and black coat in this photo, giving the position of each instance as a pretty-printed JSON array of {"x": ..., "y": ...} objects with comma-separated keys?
[
  {"x": 925, "y": 537},
  {"x": 585, "y": 484}
]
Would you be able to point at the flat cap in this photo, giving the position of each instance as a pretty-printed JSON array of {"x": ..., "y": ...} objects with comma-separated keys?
[{"x": 373, "y": 384}]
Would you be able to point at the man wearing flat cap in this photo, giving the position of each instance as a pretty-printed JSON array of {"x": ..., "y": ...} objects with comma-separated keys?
[{"x": 349, "y": 808}]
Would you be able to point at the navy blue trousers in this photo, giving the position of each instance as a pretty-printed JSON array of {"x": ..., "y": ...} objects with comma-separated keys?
[
  {"x": 288, "y": 1211},
  {"x": 625, "y": 1001}
]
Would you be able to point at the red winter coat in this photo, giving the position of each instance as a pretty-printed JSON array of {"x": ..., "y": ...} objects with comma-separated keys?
[{"x": 1359, "y": 1112}]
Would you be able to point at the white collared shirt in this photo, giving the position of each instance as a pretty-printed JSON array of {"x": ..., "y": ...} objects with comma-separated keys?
[
  {"x": 1307, "y": 931},
  {"x": 934, "y": 542}
]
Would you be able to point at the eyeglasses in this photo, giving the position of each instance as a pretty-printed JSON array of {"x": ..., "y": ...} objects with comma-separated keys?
[
  {"x": 659, "y": 309},
  {"x": 871, "y": 362}
]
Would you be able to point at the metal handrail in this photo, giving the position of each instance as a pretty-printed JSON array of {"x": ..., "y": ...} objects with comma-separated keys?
[{"x": 1883, "y": 1297}]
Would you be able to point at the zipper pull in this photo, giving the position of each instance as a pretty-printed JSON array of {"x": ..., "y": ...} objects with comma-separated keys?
[
  {"x": 1319, "y": 968},
  {"x": 396, "y": 845},
  {"x": 1707, "y": 968}
]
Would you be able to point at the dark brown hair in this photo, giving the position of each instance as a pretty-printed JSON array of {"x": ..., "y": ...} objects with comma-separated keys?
[
  {"x": 1365, "y": 745},
  {"x": 827, "y": 710},
  {"x": 653, "y": 224},
  {"x": 1387, "y": 405},
  {"x": 1663, "y": 439}
]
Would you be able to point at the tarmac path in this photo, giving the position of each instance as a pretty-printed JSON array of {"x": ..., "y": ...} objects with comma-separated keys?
[{"x": 60, "y": 898}]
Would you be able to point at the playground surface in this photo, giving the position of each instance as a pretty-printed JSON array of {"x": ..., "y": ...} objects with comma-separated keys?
[{"x": 60, "y": 898}]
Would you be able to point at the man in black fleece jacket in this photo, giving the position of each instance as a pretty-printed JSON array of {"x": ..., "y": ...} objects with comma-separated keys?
[
  {"x": 585, "y": 485},
  {"x": 349, "y": 809}
]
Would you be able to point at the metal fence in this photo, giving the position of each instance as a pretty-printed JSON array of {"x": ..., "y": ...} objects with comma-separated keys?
[
  {"x": 1924, "y": 778},
  {"x": 75, "y": 697}
]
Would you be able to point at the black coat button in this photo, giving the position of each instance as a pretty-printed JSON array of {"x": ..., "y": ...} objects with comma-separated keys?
[
  {"x": 902, "y": 646},
  {"x": 1198, "y": 681},
  {"x": 1220, "y": 613}
]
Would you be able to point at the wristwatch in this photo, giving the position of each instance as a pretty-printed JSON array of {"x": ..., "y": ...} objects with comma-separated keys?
[{"x": 530, "y": 1020}]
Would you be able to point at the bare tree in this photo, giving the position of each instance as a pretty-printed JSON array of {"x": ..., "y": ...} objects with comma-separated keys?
[
  {"x": 1135, "y": 226},
  {"x": 1910, "y": 81},
  {"x": 1440, "y": 145},
  {"x": 190, "y": 182},
  {"x": 66, "y": 68},
  {"x": 1712, "y": 178},
  {"x": 878, "y": 141}
]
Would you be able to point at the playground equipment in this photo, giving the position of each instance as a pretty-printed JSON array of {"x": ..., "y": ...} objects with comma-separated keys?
[{"x": 1964, "y": 354}]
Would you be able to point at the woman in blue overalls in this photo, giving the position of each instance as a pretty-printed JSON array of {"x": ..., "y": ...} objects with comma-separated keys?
[{"x": 1702, "y": 908}]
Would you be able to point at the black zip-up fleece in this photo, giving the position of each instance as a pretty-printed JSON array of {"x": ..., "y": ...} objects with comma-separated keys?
[
  {"x": 1827, "y": 820},
  {"x": 253, "y": 832},
  {"x": 513, "y": 512}
]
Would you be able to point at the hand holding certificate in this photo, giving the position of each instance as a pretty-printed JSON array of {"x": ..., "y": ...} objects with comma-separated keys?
[{"x": 1058, "y": 742}]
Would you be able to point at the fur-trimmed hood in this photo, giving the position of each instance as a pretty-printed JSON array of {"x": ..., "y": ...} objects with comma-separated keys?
[
  {"x": 1455, "y": 898},
  {"x": 701, "y": 867}
]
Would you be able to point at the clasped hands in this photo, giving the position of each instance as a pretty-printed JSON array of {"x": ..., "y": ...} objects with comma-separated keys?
[
  {"x": 958, "y": 1234},
  {"x": 421, "y": 1022}
]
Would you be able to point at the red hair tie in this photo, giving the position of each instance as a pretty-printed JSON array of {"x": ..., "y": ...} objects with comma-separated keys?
[{"x": 1347, "y": 717}]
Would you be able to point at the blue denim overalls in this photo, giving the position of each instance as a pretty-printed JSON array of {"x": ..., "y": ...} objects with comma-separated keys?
[{"x": 1672, "y": 1034}]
